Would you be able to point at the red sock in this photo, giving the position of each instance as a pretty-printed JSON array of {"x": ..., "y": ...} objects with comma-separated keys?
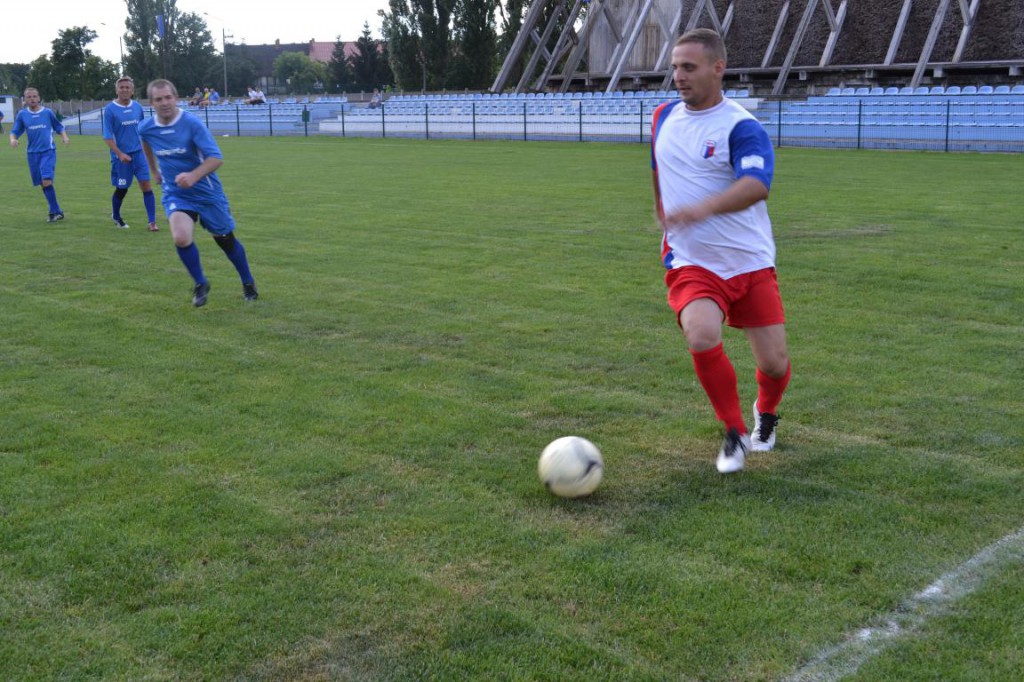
[
  {"x": 770, "y": 390},
  {"x": 717, "y": 376}
]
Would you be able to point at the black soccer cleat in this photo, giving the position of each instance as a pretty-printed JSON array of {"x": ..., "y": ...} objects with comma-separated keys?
[
  {"x": 55, "y": 217},
  {"x": 199, "y": 295},
  {"x": 249, "y": 292},
  {"x": 119, "y": 222}
]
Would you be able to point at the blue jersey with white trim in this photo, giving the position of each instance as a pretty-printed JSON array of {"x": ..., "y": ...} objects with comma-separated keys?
[
  {"x": 180, "y": 147},
  {"x": 121, "y": 124},
  {"x": 40, "y": 126}
]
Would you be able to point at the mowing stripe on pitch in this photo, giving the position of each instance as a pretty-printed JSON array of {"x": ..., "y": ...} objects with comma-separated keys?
[{"x": 845, "y": 658}]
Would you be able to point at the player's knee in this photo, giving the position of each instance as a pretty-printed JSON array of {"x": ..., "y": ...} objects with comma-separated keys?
[
  {"x": 701, "y": 337},
  {"x": 226, "y": 242},
  {"x": 121, "y": 192},
  {"x": 182, "y": 240},
  {"x": 776, "y": 365},
  {"x": 47, "y": 182}
]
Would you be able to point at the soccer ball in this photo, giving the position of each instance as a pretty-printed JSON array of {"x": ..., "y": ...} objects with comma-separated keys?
[{"x": 571, "y": 467}]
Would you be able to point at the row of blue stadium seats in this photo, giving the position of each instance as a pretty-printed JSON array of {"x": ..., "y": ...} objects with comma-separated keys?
[
  {"x": 618, "y": 94},
  {"x": 922, "y": 90}
]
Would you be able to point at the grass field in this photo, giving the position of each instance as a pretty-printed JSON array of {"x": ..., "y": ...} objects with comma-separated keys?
[{"x": 338, "y": 482}]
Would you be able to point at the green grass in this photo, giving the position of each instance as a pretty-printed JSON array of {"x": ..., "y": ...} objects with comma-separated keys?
[{"x": 338, "y": 482}]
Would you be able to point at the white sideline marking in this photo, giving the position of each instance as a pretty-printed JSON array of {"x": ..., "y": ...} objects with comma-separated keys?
[{"x": 845, "y": 658}]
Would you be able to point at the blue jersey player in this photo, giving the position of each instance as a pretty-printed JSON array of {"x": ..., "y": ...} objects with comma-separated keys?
[
  {"x": 184, "y": 157},
  {"x": 40, "y": 123},
  {"x": 121, "y": 120}
]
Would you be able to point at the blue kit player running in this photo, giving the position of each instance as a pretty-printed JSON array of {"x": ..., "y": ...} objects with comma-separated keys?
[
  {"x": 121, "y": 120},
  {"x": 183, "y": 157},
  {"x": 40, "y": 124}
]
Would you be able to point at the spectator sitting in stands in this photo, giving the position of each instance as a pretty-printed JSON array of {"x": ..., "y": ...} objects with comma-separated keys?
[
  {"x": 197, "y": 97},
  {"x": 375, "y": 99},
  {"x": 214, "y": 96},
  {"x": 205, "y": 102},
  {"x": 256, "y": 96}
]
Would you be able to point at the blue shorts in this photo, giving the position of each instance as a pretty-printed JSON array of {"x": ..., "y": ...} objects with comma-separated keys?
[
  {"x": 214, "y": 215},
  {"x": 42, "y": 166},
  {"x": 121, "y": 173}
]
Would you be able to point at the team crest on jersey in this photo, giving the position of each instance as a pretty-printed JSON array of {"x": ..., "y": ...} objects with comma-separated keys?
[{"x": 709, "y": 149}]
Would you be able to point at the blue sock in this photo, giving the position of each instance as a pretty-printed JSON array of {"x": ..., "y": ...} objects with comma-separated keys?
[
  {"x": 241, "y": 263},
  {"x": 150, "y": 201},
  {"x": 189, "y": 255},
  {"x": 51, "y": 198},
  {"x": 115, "y": 204}
]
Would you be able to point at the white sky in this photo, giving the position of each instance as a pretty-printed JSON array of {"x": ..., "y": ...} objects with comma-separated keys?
[{"x": 27, "y": 33}]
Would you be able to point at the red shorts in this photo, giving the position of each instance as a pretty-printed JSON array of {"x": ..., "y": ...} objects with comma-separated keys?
[{"x": 748, "y": 300}]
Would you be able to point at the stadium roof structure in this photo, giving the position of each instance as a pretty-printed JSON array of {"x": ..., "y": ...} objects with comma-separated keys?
[{"x": 606, "y": 42}]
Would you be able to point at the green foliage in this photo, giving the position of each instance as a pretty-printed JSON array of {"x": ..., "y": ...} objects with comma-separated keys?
[
  {"x": 14, "y": 77},
  {"x": 474, "y": 46},
  {"x": 301, "y": 73},
  {"x": 369, "y": 68},
  {"x": 72, "y": 71},
  {"x": 339, "y": 482},
  {"x": 186, "y": 55}
]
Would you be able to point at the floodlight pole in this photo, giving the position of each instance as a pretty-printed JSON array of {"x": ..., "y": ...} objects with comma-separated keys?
[{"x": 224, "y": 43}]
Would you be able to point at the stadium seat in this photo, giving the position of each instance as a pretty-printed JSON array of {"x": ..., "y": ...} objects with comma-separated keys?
[
  {"x": 849, "y": 91},
  {"x": 889, "y": 92},
  {"x": 743, "y": 93},
  {"x": 953, "y": 90},
  {"x": 969, "y": 90},
  {"x": 937, "y": 90},
  {"x": 921, "y": 91},
  {"x": 906, "y": 90},
  {"x": 832, "y": 92},
  {"x": 876, "y": 92},
  {"x": 862, "y": 92},
  {"x": 1017, "y": 90},
  {"x": 1002, "y": 90},
  {"x": 985, "y": 90}
]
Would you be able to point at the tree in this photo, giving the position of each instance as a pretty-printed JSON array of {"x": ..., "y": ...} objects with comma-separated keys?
[
  {"x": 421, "y": 30},
  {"x": 474, "y": 45},
  {"x": 185, "y": 54},
  {"x": 301, "y": 73},
  {"x": 14, "y": 77},
  {"x": 72, "y": 71},
  {"x": 194, "y": 55},
  {"x": 369, "y": 66},
  {"x": 340, "y": 73}
]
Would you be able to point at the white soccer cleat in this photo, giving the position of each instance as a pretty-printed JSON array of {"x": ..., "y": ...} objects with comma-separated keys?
[
  {"x": 734, "y": 451},
  {"x": 765, "y": 427}
]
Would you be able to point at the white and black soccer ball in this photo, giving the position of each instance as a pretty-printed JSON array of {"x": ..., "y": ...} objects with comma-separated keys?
[{"x": 571, "y": 467}]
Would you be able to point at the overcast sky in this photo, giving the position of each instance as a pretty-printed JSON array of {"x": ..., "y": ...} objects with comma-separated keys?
[{"x": 26, "y": 31}]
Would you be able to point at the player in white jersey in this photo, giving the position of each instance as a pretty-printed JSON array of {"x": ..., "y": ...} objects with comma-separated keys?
[
  {"x": 712, "y": 167},
  {"x": 184, "y": 158},
  {"x": 121, "y": 120}
]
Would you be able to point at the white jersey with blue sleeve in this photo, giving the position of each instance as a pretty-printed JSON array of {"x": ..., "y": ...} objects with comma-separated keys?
[
  {"x": 179, "y": 147},
  {"x": 121, "y": 124},
  {"x": 40, "y": 126},
  {"x": 697, "y": 154}
]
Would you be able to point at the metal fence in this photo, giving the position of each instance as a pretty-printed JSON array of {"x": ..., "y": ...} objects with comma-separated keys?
[{"x": 921, "y": 123}]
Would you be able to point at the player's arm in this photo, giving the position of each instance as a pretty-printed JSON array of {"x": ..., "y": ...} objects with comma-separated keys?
[
  {"x": 110, "y": 142},
  {"x": 16, "y": 130},
  {"x": 58, "y": 127},
  {"x": 743, "y": 193},
  {"x": 659, "y": 210},
  {"x": 189, "y": 179},
  {"x": 154, "y": 169}
]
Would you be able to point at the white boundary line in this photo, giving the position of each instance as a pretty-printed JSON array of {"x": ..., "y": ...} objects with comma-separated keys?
[{"x": 845, "y": 658}]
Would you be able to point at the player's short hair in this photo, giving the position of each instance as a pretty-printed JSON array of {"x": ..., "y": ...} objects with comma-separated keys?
[
  {"x": 160, "y": 83},
  {"x": 709, "y": 39},
  {"x": 125, "y": 78},
  {"x": 30, "y": 89}
]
